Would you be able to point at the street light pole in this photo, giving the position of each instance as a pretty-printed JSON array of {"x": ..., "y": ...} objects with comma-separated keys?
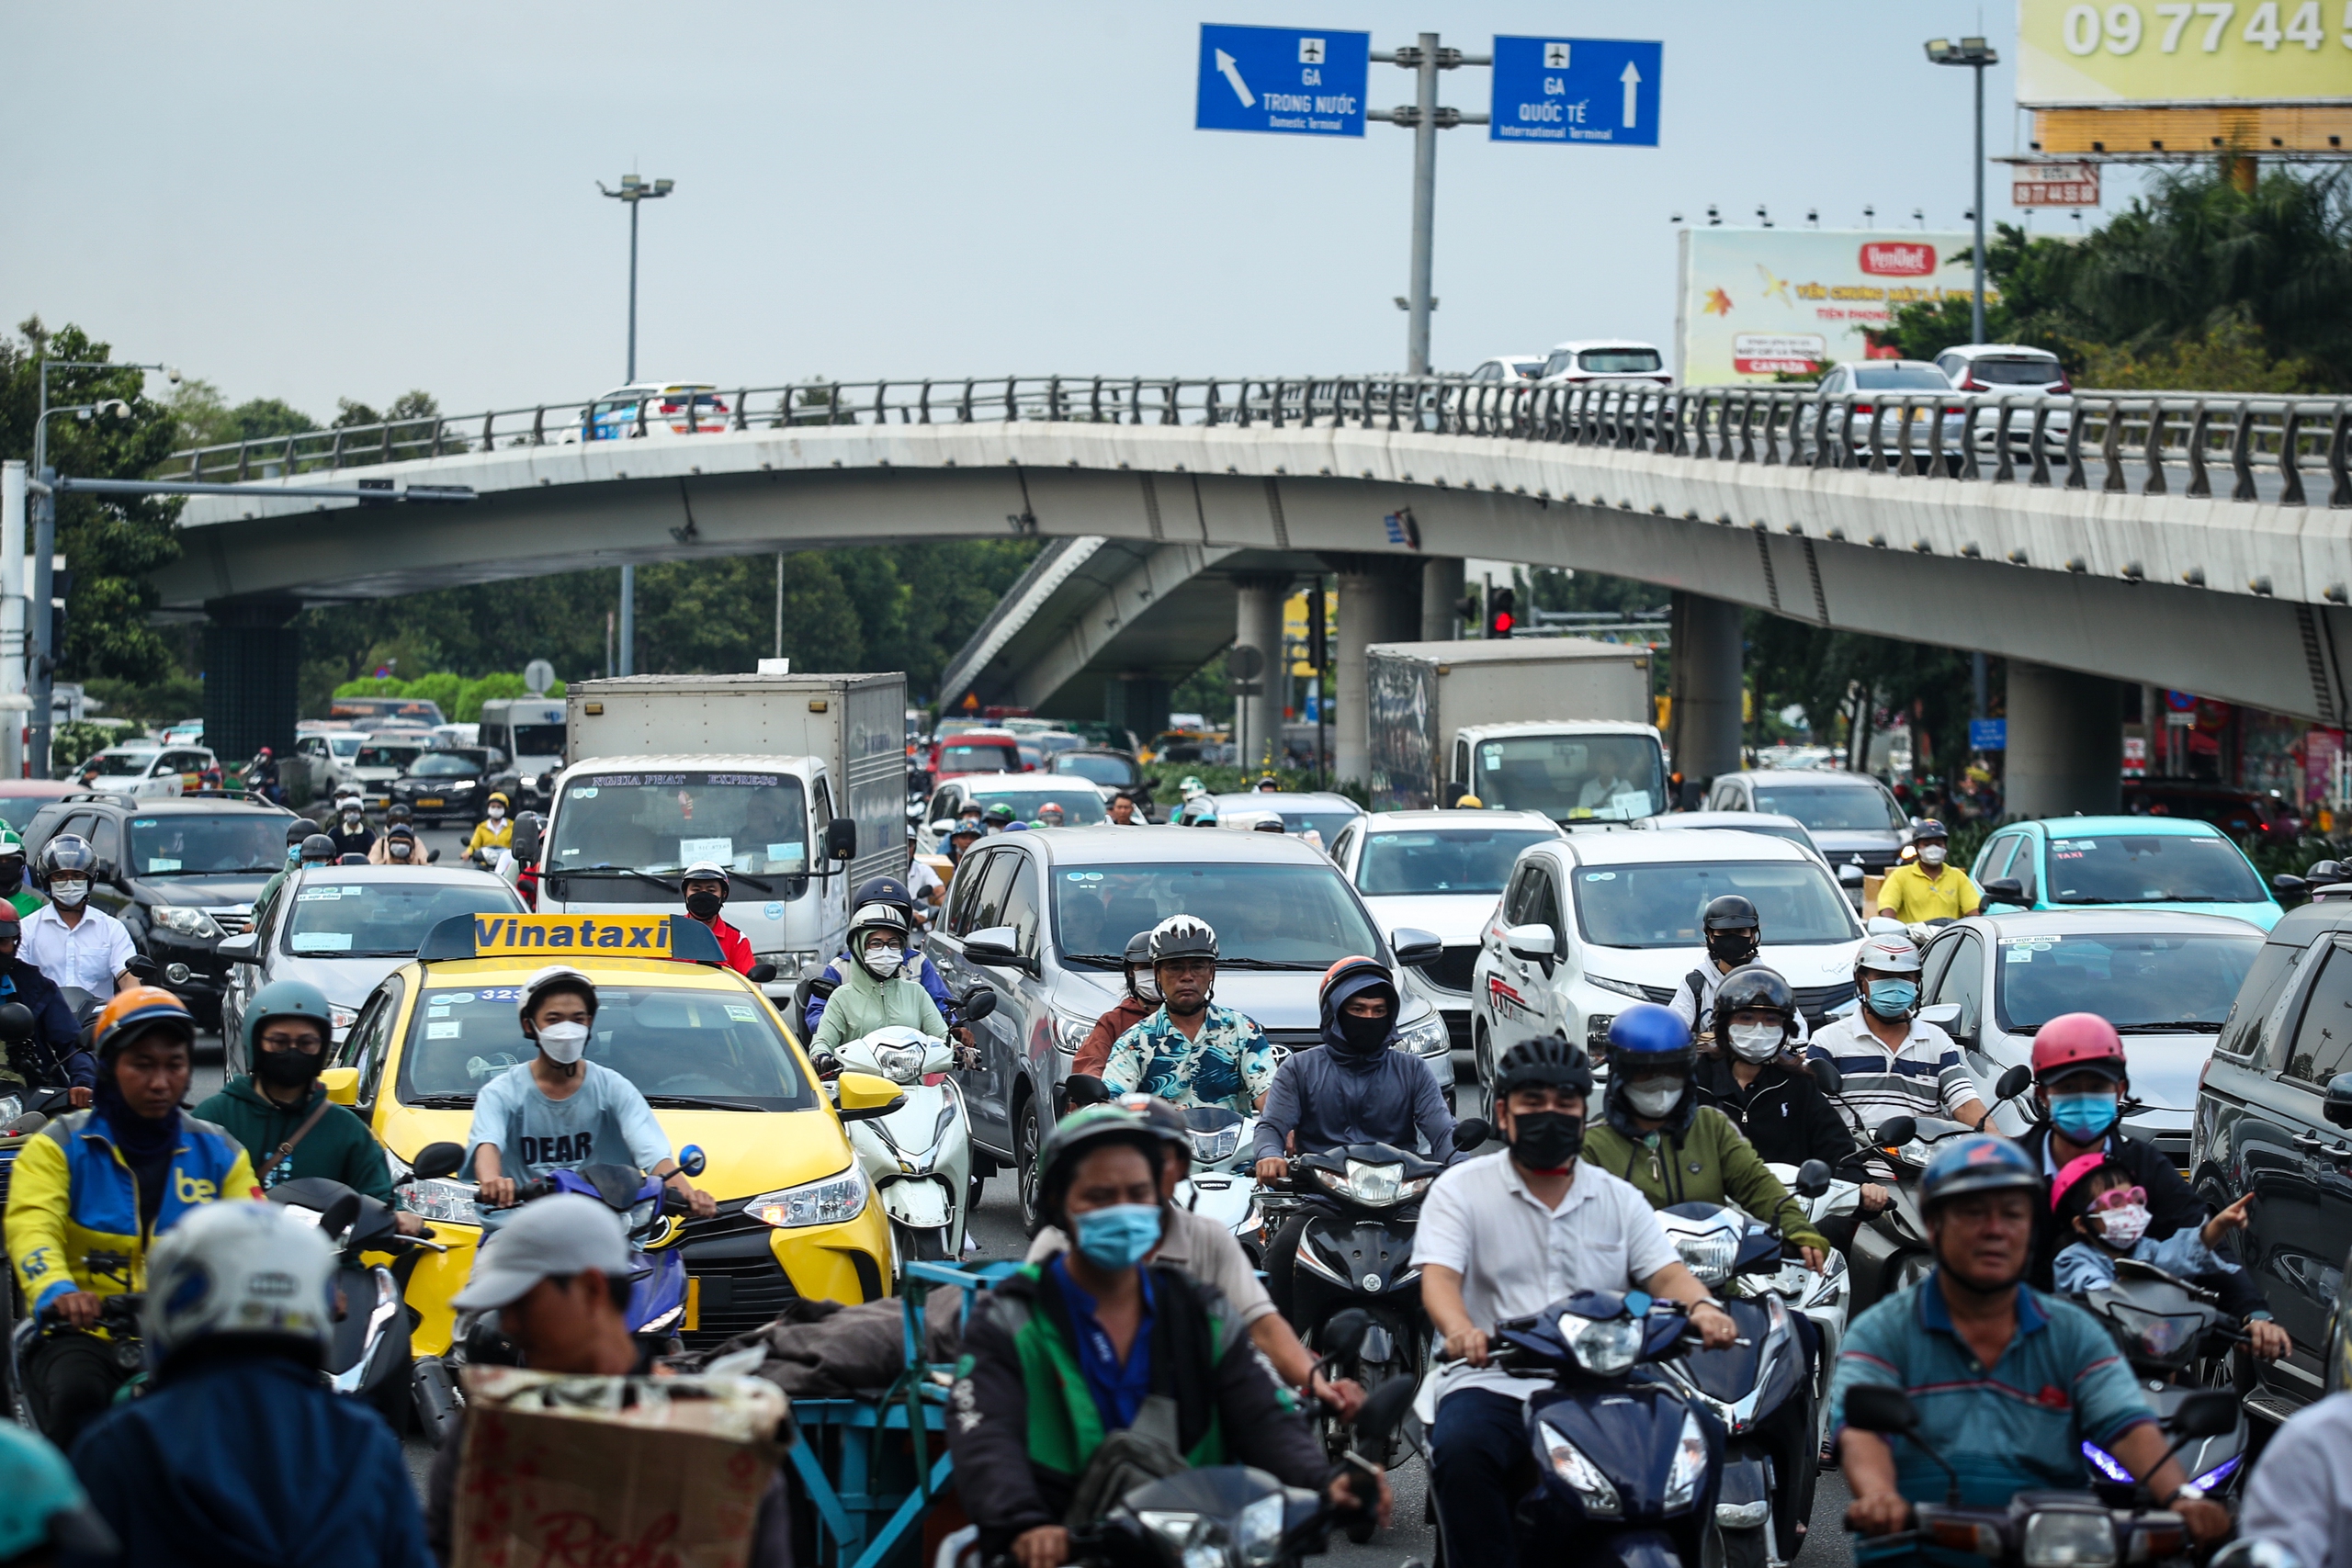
[
  {"x": 1425, "y": 60},
  {"x": 633, "y": 191},
  {"x": 1977, "y": 54}
]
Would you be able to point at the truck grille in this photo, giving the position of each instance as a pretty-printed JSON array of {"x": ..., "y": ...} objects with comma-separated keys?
[
  {"x": 1452, "y": 969},
  {"x": 739, "y": 1285}
]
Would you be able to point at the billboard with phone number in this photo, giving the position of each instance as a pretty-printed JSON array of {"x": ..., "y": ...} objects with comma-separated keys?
[
  {"x": 1754, "y": 304},
  {"x": 2274, "y": 52}
]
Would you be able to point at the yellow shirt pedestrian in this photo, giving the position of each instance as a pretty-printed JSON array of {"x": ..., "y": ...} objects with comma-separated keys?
[{"x": 1913, "y": 897}]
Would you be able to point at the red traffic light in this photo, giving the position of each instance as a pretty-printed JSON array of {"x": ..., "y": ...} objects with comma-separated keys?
[
  {"x": 1500, "y": 601},
  {"x": 1502, "y": 623}
]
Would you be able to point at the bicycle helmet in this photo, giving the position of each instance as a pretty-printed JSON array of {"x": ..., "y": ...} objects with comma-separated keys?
[
  {"x": 2077, "y": 1042},
  {"x": 554, "y": 978},
  {"x": 1886, "y": 953},
  {"x": 131, "y": 1013},
  {"x": 318, "y": 849},
  {"x": 67, "y": 854},
  {"x": 1079, "y": 1134},
  {"x": 1755, "y": 989},
  {"x": 1546, "y": 1061},
  {"x": 286, "y": 998},
  {"x": 1182, "y": 936},
  {"x": 1142, "y": 984},
  {"x": 1977, "y": 1163},
  {"x": 250, "y": 1269}
]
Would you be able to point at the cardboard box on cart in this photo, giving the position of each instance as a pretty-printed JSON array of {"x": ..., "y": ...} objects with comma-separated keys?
[{"x": 559, "y": 1468}]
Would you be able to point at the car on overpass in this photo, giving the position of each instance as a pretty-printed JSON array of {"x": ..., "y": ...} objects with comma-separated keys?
[
  {"x": 1440, "y": 871},
  {"x": 2164, "y": 979},
  {"x": 1585, "y": 362},
  {"x": 1044, "y": 918},
  {"x": 1852, "y": 818},
  {"x": 2151, "y": 863},
  {"x": 1910, "y": 380},
  {"x": 1026, "y": 794},
  {"x": 1591, "y": 922},
  {"x": 1322, "y": 812},
  {"x": 1507, "y": 368},
  {"x": 2009, "y": 369},
  {"x": 653, "y": 409}
]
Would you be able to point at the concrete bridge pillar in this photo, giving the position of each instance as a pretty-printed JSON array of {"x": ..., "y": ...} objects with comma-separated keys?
[
  {"x": 2065, "y": 742},
  {"x": 1441, "y": 591},
  {"x": 1258, "y": 624},
  {"x": 1378, "y": 603},
  {"x": 1136, "y": 702},
  {"x": 1705, "y": 728},
  {"x": 253, "y": 662}
]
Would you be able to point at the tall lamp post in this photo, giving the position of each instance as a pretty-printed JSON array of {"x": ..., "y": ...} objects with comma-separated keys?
[
  {"x": 633, "y": 191},
  {"x": 1975, "y": 54}
]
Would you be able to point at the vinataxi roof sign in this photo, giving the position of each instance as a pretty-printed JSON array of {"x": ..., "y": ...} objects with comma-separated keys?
[{"x": 2071, "y": 54}]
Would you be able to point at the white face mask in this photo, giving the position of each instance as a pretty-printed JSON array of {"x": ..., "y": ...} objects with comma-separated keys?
[
  {"x": 1755, "y": 1042},
  {"x": 1653, "y": 1101},
  {"x": 2122, "y": 1226},
  {"x": 495, "y": 812},
  {"x": 1147, "y": 987},
  {"x": 1931, "y": 854},
  {"x": 563, "y": 1043},
  {"x": 883, "y": 962},
  {"x": 69, "y": 894}
]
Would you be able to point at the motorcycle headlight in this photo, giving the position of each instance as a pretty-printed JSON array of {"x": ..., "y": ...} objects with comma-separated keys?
[
  {"x": 187, "y": 923},
  {"x": 1708, "y": 1254},
  {"x": 1262, "y": 1529},
  {"x": 1196, "y": 1539},
  {"x": 1425, "y": 1037},
  {"x": 1690, "y": 1465},
  {"x": 11, "y": 1107},
  {"x": 1216, "y": 1144},
  {"x": 900, "y": 1064},
  {"x": 2069, "y": 1538},
  {"x": 451, "y": 1202},
  {"x": 642, "y": 1213},
  {"x": 1374, "y": 1186},
  {"x": 1584, "y": 1478},
  {"x": 829, "y": 1201},
  {"x": 1606, "y": 1347}
]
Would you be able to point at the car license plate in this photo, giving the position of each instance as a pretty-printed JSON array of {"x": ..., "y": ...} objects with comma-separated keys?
[{"x": 429, "y": 800}]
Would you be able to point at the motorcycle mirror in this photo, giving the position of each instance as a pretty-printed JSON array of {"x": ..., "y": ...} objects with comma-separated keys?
[
  {"x": 1894, "y": 1131},
  {"x": 2208, "y": 1413},
  {"x": 2014, "y": 1082},
  {"x": 432, "y": 857},
  {"x": 1383, "y": 1411},
  {"x": 760, "y": 974},
  {"x": 1875, "y": 1407},
  {"x": 341, "y": 1215},
  {"x": 1343, "y": 1336},
  {"x": 435, "y": 1161},
  {"x": 977, "y": 1003},
  {"x": 1471, "y": 1132},
  {"x": 1851, "y": 875},
  {"x": 692, "y": 1161},
  {"x": 1825, "y": 1073},
  {"x": 16, "y": 1023},
  {"x": 141, "y": 967},
  {"x": 1813, "y": 1178},
  {"x": 1085, "y": 1089}
]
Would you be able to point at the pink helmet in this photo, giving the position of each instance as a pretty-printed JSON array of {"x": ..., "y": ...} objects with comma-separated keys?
[{"x": 2077, "y": 1041}]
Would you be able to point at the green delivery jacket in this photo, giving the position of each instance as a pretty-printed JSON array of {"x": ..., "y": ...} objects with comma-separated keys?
[
  {"x": 1023, "y": 1425},
  {"x": 1697, "y": 1158}
]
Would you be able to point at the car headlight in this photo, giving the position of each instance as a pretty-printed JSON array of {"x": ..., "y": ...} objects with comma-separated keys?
[
  {"x": 2069, "y": 1538},
  {"x": 187, "y": 922},
  {"x": 1425, "y": 1037},
  {"x": 1070, "y": 1034},
  {"x": 439, "y": 1199},
  {"x": 1606, "y": 1347},
  {"x": 1584, "y": 1478},
  {"x": 1690, "y": 1465},
  {"x": 1196, "y": 1539},
  {"x": 343, "y": 1018},
  {"x": 1622, "y": 988},
  {"x": 900, "y": 1064},
  {"x": 1709, "y": 1256},
  {"x": 829, "y": 1201}
]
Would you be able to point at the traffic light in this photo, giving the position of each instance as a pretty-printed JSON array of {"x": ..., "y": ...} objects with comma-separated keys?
[{"x": 1499, "y": 617}]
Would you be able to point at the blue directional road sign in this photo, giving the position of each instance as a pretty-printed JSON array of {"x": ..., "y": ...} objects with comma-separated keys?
[
  {"x": 1286, "y": 81},
  {"x": 1988, "y": 734},
  {"x": 1575, "y": 89}
]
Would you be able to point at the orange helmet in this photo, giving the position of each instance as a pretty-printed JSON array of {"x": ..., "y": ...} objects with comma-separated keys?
[{"x": 133, "y": 1012}]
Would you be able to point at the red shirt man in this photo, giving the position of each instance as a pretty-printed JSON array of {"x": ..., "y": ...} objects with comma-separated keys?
[{"x": 705, "y": 886}]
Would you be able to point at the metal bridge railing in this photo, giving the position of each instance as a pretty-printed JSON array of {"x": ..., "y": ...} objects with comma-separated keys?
[{"x": 2276, "y": 449}]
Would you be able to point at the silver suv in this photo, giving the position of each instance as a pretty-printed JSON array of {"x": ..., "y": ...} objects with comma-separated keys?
[
  {"x": 1853, "y": 818},
  {"x": 1043, "y": 917}
]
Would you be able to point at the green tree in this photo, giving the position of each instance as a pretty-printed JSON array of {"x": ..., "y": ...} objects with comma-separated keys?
[{"x": 205, "y": 418}]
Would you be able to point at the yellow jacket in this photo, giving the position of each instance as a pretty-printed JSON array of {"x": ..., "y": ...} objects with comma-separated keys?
[
  {"x": 72, "y": 1221},
  {"x": 487, "y": 834}
]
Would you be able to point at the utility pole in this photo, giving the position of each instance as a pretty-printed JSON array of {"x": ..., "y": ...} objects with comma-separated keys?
[
  {"x": 633, "y": 191},
  {"x": 1975, "y": 54},
  {"x": 1425, "y": 60}
]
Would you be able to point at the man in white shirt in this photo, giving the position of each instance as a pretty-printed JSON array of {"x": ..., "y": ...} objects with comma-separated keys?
[
  {"x": 68, "y": 941},
  {"x": 1505, "y": 1235}
]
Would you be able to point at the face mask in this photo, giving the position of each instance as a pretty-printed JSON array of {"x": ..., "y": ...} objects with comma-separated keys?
[
  {"x": 2083, "y": 1117},
  {"x": 1931, "y": 854},
  {"x": 2122, "y": 1226},
  {"x": 564, "y": 1043},
  {"x": 883, "y": 962},
  {"x": 704, "y": 906},
  {"x": 1365, "y": 1037},
  {"x": 12, "y": 874},
  {"x": 495, "y": 812},
  {"x": 1653, "y": 1101},
  {"x": 1755, "y": 1042},
  {"x": 351, "y": 814},
  {"x": 1146, "y": 987},
  {"x": 69, "y": 894},
  {"x": 1118, "y": 1236},
  {"x": 1893, "y": 999},
  {"x": 293, "y": 854},
  {"x": 1733, "y": 948},
  {"x": 1545, "y": 1140},
  {"x": 288, "y": 1069}
]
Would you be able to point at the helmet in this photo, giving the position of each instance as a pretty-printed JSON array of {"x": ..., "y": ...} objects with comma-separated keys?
[
  {"x": 298, "y": 830},
  {"x": 349, "y": 800},
  {"x": 1929, "y": 828},
  {"x": 1051, "y": 813},
  {"x": 1016, "y": 827},
  {"x": 498, "y": 797},
  {"x": 1756, "y": 990},
  {"x": 1469, "y": 803},
  {"x": 883, "y": 890},
  {"x": 42, "y": 1503},
  {"x": 1886, "y": 953},
  {"x": 1647, "y": 1035},
  {"x": 401, "y": 830},
  {"x": 878, "y": 917},
  {"x": 1182, "y": 936},
  {"x": 1730, "y": 913},
  {"x": 1163, "y": 1116},
  {"x": 1977, "y": 1163},
  {"x": 318, "y": 849},
  {"x": 704, "y": 871},
  {"x": 1000, "y": 812},
  {"x": 1079, "y": 1134},
  {"x": 243, "y": 1268},
  {"x": 1268, "y": 785},
  {"x": 286, "y": 998},
  {"x": 133, "y": 1012},
  {"x": 1345, "y": 981},
  {"x": 12, "y": 846},
  {"x": 399, "y": 812},
  {"x": 67, "y": 854},
  {"x": 265, "y": 751},
  {"x": 554, "y": 978},
  {"x": 1544, "y": 1061},
  {"x": 2077, "y": 1042},
  {"x": 1190, "y": 785},
  {"x": 1138, "y": 957}
]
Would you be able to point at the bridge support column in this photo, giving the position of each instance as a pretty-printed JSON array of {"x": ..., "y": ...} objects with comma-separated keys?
[
  {"x": 1136, "y": 702},
  {"x": 2065, "y": 742},
  {"x": 1258, "y": 624},
  {"x": 1377, "y": 603},
  {"x": 1705, "y": 728},
  {"x": 1441, "y": 591},
  {"x": 253, "y": 662}
]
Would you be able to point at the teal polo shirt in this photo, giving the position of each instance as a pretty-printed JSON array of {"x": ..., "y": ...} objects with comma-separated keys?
[{"x": 2015, "y": 1426}]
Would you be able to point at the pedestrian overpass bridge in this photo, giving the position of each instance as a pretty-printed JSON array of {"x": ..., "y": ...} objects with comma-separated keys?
[{"x": 2196, "y": 541}]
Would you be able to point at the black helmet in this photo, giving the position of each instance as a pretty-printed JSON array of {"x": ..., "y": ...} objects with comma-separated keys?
[
  {"x": 67, "y": 853},
  {"x": 301, "y": 828},
  {"x": 1137, "y": 964},
  {"x": 884, "y": 890},
  {"x": 1754, "y": 989},
  {"x": 1929, "y": 828},
  {"x": 1547, "y": 1061},
  {"x": 1182, "y": 936},
  {"x": 529, "y": 827},
  {"x": 318, "y": 849},
  {"x": 1730, "y": 912},
  {"x": 399, "y": 812}
]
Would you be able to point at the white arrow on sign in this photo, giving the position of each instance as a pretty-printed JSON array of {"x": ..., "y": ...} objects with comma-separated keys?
[
  {"x": 1232, "y": 74},
  {"x": 1633, "y": 80}
]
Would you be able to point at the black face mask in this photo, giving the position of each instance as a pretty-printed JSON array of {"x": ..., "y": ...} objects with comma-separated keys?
[
  {"x": 12, "y": 876},
  {"x": 1546, "y": 1140},
  {"x": 704, "y": 906},
  {"x": 1365, "y": 1037},
  {"x": 288, "y": 1069},
  {"x": 1736, "y": 948}
]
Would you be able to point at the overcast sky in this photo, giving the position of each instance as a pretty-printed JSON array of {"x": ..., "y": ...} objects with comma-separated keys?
[{"x": 312, "y": 201}]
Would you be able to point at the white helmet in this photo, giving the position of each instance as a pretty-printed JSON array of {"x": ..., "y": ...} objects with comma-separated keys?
[
  {"x": 554, "y": 978},
  {"x": 1182, "y": 936},
  {"x": 872, "y": 917},
  {"x": 1887, "y": 953},
  {"x": 238, "y": 1268}
]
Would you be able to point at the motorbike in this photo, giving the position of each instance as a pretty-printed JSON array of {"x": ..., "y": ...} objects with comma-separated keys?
[
  {"x": 1825, "y": 1297},
  {"x": 117, "y": 1314},
  {"x": 2165, "y": 1325},
  {"x": 1628, "y": 1461},
  {"x": 2037, "y": 1529},
  {"x": 919, "y": 1156},
  {"x": 370, "y": 1358},
  {"x": 1224, "y": 1182}
]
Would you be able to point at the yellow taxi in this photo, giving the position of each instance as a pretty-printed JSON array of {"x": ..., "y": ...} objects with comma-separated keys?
[{"x": 714, "y": 1061}]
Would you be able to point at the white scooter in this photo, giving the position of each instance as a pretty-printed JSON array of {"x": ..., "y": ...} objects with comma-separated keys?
[
  {"x": 1827, "y": 1296},
  {"x": 919, "y": 1157},
  {"x": 1224, "y": 1183}
]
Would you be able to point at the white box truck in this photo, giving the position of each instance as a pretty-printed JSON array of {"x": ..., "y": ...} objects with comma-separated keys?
[
  {"x": 530, "y": 732},
  {"x": 798, "y": 784},
  {"x": 1556, "y": 725}
]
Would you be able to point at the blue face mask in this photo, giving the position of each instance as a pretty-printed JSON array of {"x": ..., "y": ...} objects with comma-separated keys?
[
  {"x": 1118, "y": 1236},
  {"x": 1893, "y": 999},
  {"x": 293, "y": 854},
  {"x": 2085, "y": 1118}
]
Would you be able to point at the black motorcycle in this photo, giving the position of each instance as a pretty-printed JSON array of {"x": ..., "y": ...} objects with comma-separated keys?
[
  {"x": 2165, "y": 1327},
  {"x": 118, "y": 1316}
]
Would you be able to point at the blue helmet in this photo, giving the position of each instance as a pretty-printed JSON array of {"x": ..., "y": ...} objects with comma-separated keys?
[
  {"x": 1647, "y": 1035},
  {"x": 1977, "y": 1164}
]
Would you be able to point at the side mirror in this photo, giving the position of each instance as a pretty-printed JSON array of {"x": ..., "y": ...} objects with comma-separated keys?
[
  {"x": 1414, "y": 947},
  {"x": 1471, "y": 1132},
  {"x": 2005, "y": 890},
  {"x": 1825, "y": 1073},
  {"x": 1813, "y": 1178},
  {"x": 1537, "y": 944},
  {"x": 2208, "y": 1413},
  {"x": 340, "y": 1217},
  {"x": 435, "y": 1161},
  {"x": 941, "y": 828},
  {"x": 432, "y": 857},
  {"x": 1343, "y": 1336},
  {"x": 994, "y": 949},
  {"x": 862, "y": 1097},
  {"x": 1943, "y": 1015},
  {"x": 841, "y": 840},
  {"x": 761, "y": 974},
  {"x": 1453, "y": 795},
  {"x": 976, "y": 1003},
  {"x": 1851, "y": 875},
  {"x": 1385, "y": 1412},
  {"x": 2014, "y": 1082},
  {"x": 2286, "y": 883},
  {"x": 342, "y": 1085},
  {"x": 239, "y": 949},
  {"x": 141, "y": 967},
  {"x": 2338, "y": 1104},
  {"x": 1085, "y": 1089},
  {"x": 692, "y": 1161},
  {"x": 1875, "y": 1407},
  {"x": 1895, "y": 1131}
]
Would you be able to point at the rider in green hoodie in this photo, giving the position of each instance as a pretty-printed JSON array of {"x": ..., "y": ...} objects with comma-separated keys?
[{"x": 875, "y": 994}]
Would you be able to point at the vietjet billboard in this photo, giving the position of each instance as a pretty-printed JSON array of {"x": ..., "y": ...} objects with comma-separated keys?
[{"x": 1752, "y": 304}]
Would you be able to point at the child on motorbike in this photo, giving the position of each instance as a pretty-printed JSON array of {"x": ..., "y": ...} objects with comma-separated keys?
[{"x": 2097, "y": 1199}]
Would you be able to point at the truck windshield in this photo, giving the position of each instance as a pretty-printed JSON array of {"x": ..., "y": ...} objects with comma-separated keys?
[
  {"x": 1281, "y": 917},
  {"x": 1459, "y": 860},
  {"x": 661, "y": 823},
  {"x": 1611, "y": 778},
  {"x": 1659, "y": 906}
]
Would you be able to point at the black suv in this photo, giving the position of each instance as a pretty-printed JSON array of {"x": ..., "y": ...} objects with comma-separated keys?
[
  {"x": 454, "y": 784},
  {"x": 181, "y": 873}
]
